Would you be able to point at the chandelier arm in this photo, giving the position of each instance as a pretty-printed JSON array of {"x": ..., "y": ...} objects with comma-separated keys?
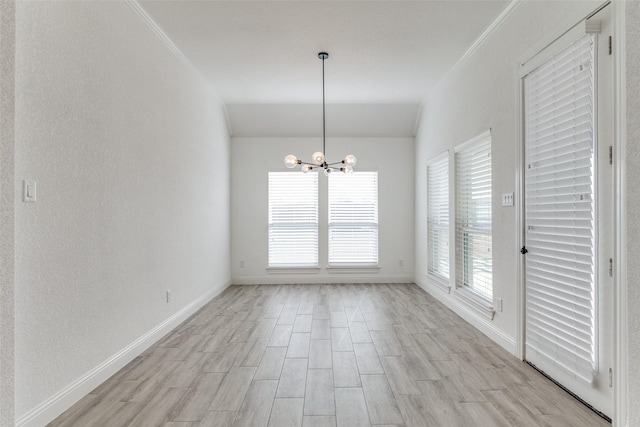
[{"x": 335, "y": 163}]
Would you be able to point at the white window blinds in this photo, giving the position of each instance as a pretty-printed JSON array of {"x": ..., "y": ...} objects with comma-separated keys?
[
  {"x": 438, "y": 217},
  {"x": 473, "y": 217},
  {"x": 559, "y": 179},
  {"x": 353, "y": 219},
  {"x": 293, "y": 219}
]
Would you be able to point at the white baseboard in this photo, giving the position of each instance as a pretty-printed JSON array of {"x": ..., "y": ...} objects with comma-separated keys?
[
  {"x": 48, "y": 410},
  {"x": 290, "y": 279},
  {"x": 480, "y": 322}
]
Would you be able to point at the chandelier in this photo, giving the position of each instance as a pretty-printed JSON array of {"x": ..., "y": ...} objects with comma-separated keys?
[{"x": 319, "y": 161}]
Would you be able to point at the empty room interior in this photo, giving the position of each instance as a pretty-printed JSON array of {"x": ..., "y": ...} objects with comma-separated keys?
[{"x": 320, "y": 213}]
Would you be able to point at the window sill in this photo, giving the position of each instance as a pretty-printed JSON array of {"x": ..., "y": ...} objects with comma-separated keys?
[
  {"x": 474, "y": 301},
  {"x": 293, "y": 270},
  {"x": 439, "y": 282},
  {"x": 353, "y": 269}
]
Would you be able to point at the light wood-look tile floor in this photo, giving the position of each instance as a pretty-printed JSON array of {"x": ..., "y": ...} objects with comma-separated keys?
[{"x": 327, "y": 355}]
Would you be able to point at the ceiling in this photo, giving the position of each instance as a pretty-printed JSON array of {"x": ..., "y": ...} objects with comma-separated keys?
[{"x": 384, "y": 57}]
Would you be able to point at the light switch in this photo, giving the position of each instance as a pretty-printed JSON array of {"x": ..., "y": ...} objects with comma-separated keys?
[
  {"x": 507, "y": 199},
  {"x": 28, "y": 191}
]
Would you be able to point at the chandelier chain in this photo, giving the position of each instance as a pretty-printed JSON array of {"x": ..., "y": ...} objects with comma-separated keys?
[{"x": 324, "y": 132}]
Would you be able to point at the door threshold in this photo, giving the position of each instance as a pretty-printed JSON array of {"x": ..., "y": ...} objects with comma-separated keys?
[{"x": 575, "y": 396}]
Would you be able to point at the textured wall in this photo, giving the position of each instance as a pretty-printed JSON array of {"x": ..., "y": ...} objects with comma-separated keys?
[
  {"x": 481, "y": 95},
  {"x": 131, "y": 156},
  {"x": 7, "y": 211},
  {"x": 392, "y": 157},
  {"x": 633, "y": 207}
]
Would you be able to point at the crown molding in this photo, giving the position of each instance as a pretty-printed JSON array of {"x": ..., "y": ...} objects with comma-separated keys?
[
  {"x": 227, "y": 119},
  {"x": 159, "y": 32},
  {"x": 164, "y": 38},
  {"x": 506, "y": 12},
  {"x": 416, "y": 123}
]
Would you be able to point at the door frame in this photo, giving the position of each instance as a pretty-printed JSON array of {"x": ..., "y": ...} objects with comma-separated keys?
[{"x": 620, "y": 391}]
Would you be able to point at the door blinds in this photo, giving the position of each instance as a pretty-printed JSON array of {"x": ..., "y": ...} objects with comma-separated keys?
[
  {"x": 473, "y": 217},
  {"x": 353, "y": 219},
  {"x": 293, "y": 219},
  {"x": 438, "y": 217},
  {"x": 559, "y": 180}
]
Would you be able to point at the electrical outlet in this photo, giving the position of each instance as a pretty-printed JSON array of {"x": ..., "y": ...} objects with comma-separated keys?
[
  {"x": 401, "y": 263},
  {"x": 168, "y": 295},
  {"x": 241, "y": 264}
]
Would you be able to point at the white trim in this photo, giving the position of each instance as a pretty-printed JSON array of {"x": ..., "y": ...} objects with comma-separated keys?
[
  {"x": 362, "y": 188},
  {"x": 484, "y": 135},
  {"x": 293, "y": 270},
  {"x": 509, "y": 8},
  {"x": 227, "y": 119},
  {"x": 475, "y": 302},
  {"x": 416, "y": 123},
  {"x": 159, "y": 32},
  {"x": 547, "y": 48},
  {"x": 353, "y": 269},
  {"x": 439, "y": 157},
  {"x": 475, "y": 319},
  {"x": 332, "y": 278},
  {"x": 164, "y": 38},
  {"x": 48, "y": 410},
  {"x": 620, "y": 390},
  {"x": 300, "y": 218},
  {"x": 520, "y": 232},
  {"x": 439, "y": 282}
]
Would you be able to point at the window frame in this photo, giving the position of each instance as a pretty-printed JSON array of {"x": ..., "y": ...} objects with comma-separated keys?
[
  {"x": 465, "y": 290},
  {"x": 313, "y": 197},
  {"x": 439, "y": 164},
  {"x": 373, "y": 225}
]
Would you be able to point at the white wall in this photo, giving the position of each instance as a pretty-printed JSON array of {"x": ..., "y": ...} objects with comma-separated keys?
[
  {"x": 7, "y": 211},
  {"x": 633, "y": 207},
  {"x": 482, "y": 94},
  {"x": 130, "y": 152},
  {"x": 253, "y": 158}
]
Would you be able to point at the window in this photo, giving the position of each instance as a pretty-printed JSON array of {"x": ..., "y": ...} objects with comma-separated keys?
[
  {"x": 438, "y": 216},
  {"x": 293, "y": 219},
  {"x": 353, "y": 219},
  {"x": 473, "y": 217}
]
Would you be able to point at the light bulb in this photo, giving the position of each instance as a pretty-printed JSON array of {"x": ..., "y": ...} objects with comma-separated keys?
[
  {"x": 318, "y": 158},
  {"x": 350, "y": 160},
  {"x": 328, "y": 171},
  {"x": 306, "y": 168},
  {"x": 290, "y": 161},
  {"x": 347, "y": 170}
]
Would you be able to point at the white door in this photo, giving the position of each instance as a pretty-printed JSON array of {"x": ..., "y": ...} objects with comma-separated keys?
[{"x": 568, "y": 208}]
